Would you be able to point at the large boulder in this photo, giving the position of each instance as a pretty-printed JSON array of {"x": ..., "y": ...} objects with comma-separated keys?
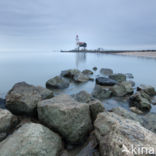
[
  {"x": 31, "y": 140},
  {"x": 7, "y": 122},
  {"x": 57, "y": 82},
  {"x": 140, "y": 101},
  {"x": 105, "y": 81},
  {"x": 118, "y": 77},
  {"x": 106, "y": 71},
  {"x": 22, "y": 99},
  {"x": 68, "y": 117},
  {"x": 118, "y": 136},
  {"x": 148, "y": 121},
  {"x": 122, "y": 89},
  {"x": 101, "y": 92},
  {"x": 70, "y": 73},
  {"x": 147, "y": 89}
]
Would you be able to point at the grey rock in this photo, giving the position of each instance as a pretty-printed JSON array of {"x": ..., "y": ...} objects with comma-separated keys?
[
  {"x": 7, "y": 122},
  {"x": 105, "y": 81},
  {"x": 95, "y": 68},
  {"x": 22, "y": 99},
  {"x": 31, "y": 140},
  {"x": 57, "y": 82},
  {"x": 80, "y": 77},
  {"x": 70, "y": 73},
  {"x": 106, "y": 71},
  {"x": 101, "y": 92},
  {"x": 83, "y": 97},
  {"x": 153, "y": 100},
  {"x": 122, "y": 89},
  {"x": 87, "y": 72},
  {"x": 139, "y": 101},
  {"x": 113, "y": 131},
  {"x": 132, "y": 83},
  {"x": 147, "y": 89},
  {"x": 45, "y": 93},
  {"x": 68, "y": 117},
  {"x": 118, "y": 77}
]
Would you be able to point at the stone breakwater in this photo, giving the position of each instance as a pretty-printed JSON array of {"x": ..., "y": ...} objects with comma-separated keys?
[{"x": 38, "y": 122}]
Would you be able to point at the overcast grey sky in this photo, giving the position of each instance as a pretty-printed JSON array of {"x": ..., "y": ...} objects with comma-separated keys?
[{"x": 53, "y": 24}]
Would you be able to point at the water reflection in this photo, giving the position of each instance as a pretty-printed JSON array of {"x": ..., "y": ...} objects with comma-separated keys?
[{"x": 80, "y": 58}]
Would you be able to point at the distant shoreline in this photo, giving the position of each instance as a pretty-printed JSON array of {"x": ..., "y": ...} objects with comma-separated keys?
[{"x": 138, "y": 53}]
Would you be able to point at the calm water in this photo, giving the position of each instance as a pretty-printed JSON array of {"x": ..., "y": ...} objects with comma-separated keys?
[{"x": 37, "y": 68}]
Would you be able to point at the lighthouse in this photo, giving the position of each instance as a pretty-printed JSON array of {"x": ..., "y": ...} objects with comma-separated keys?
[{"x": 80, "y": 44}]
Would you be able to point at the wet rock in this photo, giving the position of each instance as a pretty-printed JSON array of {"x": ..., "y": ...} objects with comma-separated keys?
[
  {"x": 129, "y": 76},
  {"x": 118, "y": 77},
  {"x": 106, "y": 71},
  {"x": 101, "y": 93},
  {"x": 136, "y": 110},
  {"x": 22, "y": 99},
  {"x": 70, "y": 73},
  {"x": 80, "y": 77},
  {"x": 114, "y": 133},
  {"x": 105, "y": 81},
  {"x": 68, "y": 117},
  {"x": 95, "y": 107},
  {"x": 83, "y": 97},
  {"x": 31, "y": 140},
  {"x": 2, "y": 103},
  {"x": 87, "y": 72},
  {"x": 122, "y": 89},
  {"x": 45, "y": 93},
  {"x": 139, "y": 101},
  {"x": 57, "y": 83},
  {"x": 95, "y": 68},
  {"x": 147, "y": 89},
  {"x": 7, "y": 122}
]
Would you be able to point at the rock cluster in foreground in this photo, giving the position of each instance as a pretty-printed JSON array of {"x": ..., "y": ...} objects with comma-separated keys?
[{"x": 78, "y": 125}]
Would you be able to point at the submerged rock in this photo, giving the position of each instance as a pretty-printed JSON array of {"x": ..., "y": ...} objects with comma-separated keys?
[
  {"x": 70, "y": 73},
  {"x": 105, "y": 81},
  {"x": 106, "y": 71},
  {"x": 95, "y": 68},
  {"x": 118, "y": 77},
  {"x": 80, "y": 77},
  {"x": 7, "y": 122},
  {"x": 87, "y": 72},
  {"x": 147, "y": 89},
  {"x": 115, "y": 134},
  {"x": 31, "y": 140},
  {"x": 101, "y": 93},
  {"x": 68, "y": 117},
  {"x": 122, "y": 89},
  {"x": 57, "y": 82},
  {"x": 139, "y": 101},
  {"x": 136, "y": 110},
  {"x": 22, "y": 99}
]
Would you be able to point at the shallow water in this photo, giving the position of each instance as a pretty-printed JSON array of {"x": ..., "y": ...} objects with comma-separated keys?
[{"x": 37, "y": 68}]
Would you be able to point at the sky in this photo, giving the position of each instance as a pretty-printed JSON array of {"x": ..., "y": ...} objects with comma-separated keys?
[{"x": 53, "y": 24}]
